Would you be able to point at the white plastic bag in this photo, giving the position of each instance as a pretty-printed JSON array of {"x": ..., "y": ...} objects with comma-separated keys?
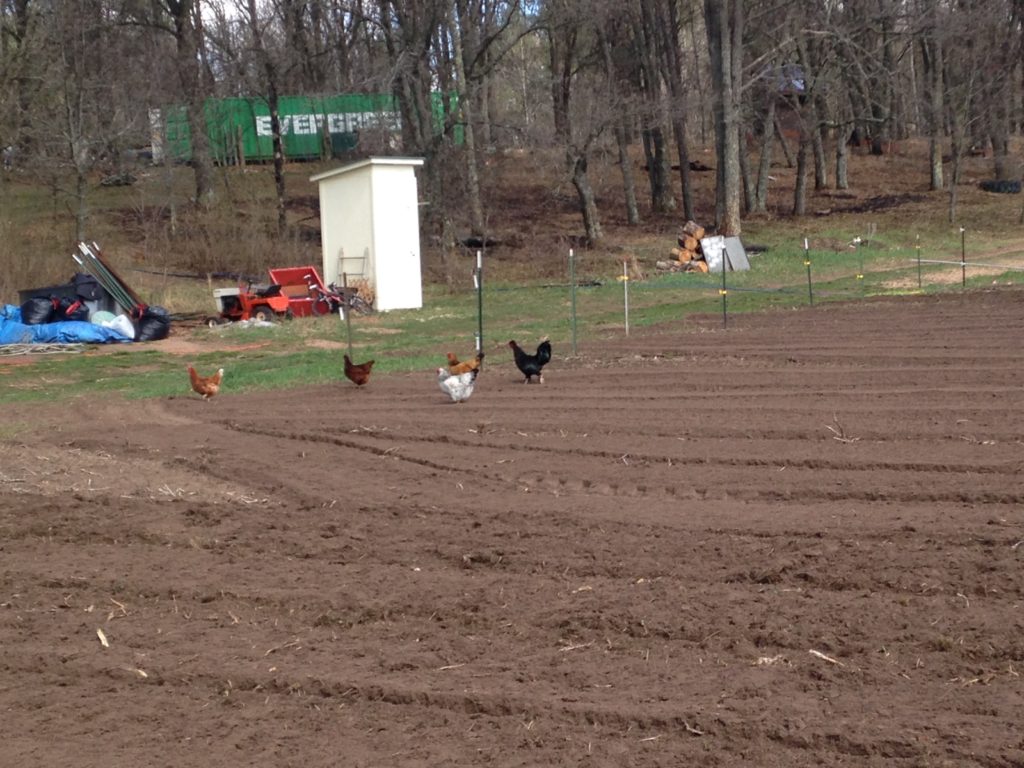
[{"x": 122, "y": 324}]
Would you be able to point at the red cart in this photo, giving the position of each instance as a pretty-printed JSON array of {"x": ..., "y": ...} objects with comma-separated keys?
[{"x": 307, "y": 294}]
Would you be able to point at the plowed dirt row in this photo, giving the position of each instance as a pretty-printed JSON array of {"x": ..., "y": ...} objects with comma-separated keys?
[{"x": 795, "y": 542}]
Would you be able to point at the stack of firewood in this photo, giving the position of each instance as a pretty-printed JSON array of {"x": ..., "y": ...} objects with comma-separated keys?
[{"x": 687, "y": 256}]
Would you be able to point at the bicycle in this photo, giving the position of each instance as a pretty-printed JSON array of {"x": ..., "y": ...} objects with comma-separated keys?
[{"x": 334, "y": 298}]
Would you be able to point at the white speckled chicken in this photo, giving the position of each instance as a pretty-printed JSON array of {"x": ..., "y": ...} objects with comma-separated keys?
[{"x": 458, "y": 386}]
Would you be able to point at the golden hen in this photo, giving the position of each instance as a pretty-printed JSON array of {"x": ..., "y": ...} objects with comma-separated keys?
[
  {"x": 207, "y": 386},
  {"x": 455, "y": 367}
]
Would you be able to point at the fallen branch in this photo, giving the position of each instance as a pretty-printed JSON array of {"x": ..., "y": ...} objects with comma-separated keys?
[
  {"x": 823, "y": 657},
  {"x": 576, "y": 647},
  {"x": 276, "y": 648}
]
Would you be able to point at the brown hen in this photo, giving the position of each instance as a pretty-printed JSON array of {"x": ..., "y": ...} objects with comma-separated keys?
[{"x": 359, "y": 373}]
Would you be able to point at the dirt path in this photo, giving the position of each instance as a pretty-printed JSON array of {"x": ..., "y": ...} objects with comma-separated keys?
[{"x": 798, "y": 542}]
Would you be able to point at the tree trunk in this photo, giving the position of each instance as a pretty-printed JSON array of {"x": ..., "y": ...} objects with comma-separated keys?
[
  {"x": 685, "y": 177},
  {"x": 818, "y": 146},
  {"x": 81, "y": 205},
  {"x": 800, "y": 193},
  {"x": 727, "y": 187},
  {"x": 591, "y": 220},
  {"x": 811, "y": 115},
  {"x": 673, "y": 54},
  {"x": 628, "y": 183},
  {"x": 746, "y": 178},
  {"x": 563, "y": 55},
  {"x": 621, "y": 135},
  {"x": 278, "y": 146},
  {"x": 193, "y": 85},
  {"x": 24, "y": 84},
  {"x": 764, "y": 164},
  {"x": 954, "y": 182},
  {"x": 658, "y": 170},
  {"x": 651, "y": 82},
  {"x": 466, "y": 103},
  {"x": 842, "y": 159},
  {"x": 931, "y": 55},
  {"x": 270, "y": 73},
  {"x": 782, "y": 142}
]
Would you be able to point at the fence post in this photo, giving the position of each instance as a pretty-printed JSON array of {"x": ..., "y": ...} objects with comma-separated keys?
[
  {"x": 572, "y": 295},
  {"x": 807, "y": 263},
  {"x": 625, "y": 293},
  {"x": 860, "y": 261},
  {"x": 918, "y": 246},
  {"x": 963, "y": 258},
  {"x": 346, "y": 311},
  {"x": 724, "y": 291},
  {"x": 478, "y": 280}
]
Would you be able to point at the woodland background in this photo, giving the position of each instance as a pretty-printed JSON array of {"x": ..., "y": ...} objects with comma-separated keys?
[{"x": 645, "y": 86}]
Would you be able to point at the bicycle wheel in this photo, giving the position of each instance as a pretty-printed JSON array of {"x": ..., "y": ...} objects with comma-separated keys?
[
  {"x": 359, "y": 305},
  {"x": 321, "y": 306}
]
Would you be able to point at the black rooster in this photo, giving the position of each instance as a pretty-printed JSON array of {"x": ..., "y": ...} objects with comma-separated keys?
[{"x": 531, "y": 365}]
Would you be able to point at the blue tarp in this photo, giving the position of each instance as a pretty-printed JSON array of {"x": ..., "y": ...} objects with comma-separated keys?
[{"x": 13, "y": 331}]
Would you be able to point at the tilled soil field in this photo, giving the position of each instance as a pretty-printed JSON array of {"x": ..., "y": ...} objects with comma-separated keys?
[{"x": 797, "y": 542}]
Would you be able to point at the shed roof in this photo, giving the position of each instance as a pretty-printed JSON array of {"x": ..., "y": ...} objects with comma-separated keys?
[{"x": 409, "y": 161}]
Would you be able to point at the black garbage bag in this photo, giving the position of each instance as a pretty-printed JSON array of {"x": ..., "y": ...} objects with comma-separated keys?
[
  {"x": 37, "y": 310},
  {"x": 86, "y": 286},
  {"x": 154, "y": 324},
  {"x": 1002, "y": 187},
  {"x": 71, "y": 309}
]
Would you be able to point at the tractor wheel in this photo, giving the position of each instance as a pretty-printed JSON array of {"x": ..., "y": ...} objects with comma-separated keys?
[{"x": 264, "y": 313}]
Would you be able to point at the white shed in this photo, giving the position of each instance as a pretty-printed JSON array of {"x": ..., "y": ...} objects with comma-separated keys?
[{"x": 370, "y": 228}]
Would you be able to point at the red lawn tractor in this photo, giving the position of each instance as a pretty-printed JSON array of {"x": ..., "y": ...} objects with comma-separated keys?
[{"x": 250, "y": 303}]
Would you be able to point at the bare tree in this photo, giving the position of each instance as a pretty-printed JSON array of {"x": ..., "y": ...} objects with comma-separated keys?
[
  {"x": 618, "y": 83},
  {"x": 270, "y": 82},
  {"x": 931, "y": 56},
  {"x": 17, "y": 35},
  {"x": 581, "y": 109},
  {"x": 671, "y": 23},
  {"x": 182, "y": 19},
  {"x": 720, "y": 20}
]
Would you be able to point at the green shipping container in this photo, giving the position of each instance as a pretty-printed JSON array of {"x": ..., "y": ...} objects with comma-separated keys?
[{"x": 311, "y": 126}]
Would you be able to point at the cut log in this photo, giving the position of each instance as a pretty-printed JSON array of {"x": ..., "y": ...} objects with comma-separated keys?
[
  {"x": 686, "y": 255},
  {"x": 676, "y": 253},
  {"x": 635, "y": 273},
  {"x": 699, "y": 265},
  {"x": 693, "y": 229}
]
